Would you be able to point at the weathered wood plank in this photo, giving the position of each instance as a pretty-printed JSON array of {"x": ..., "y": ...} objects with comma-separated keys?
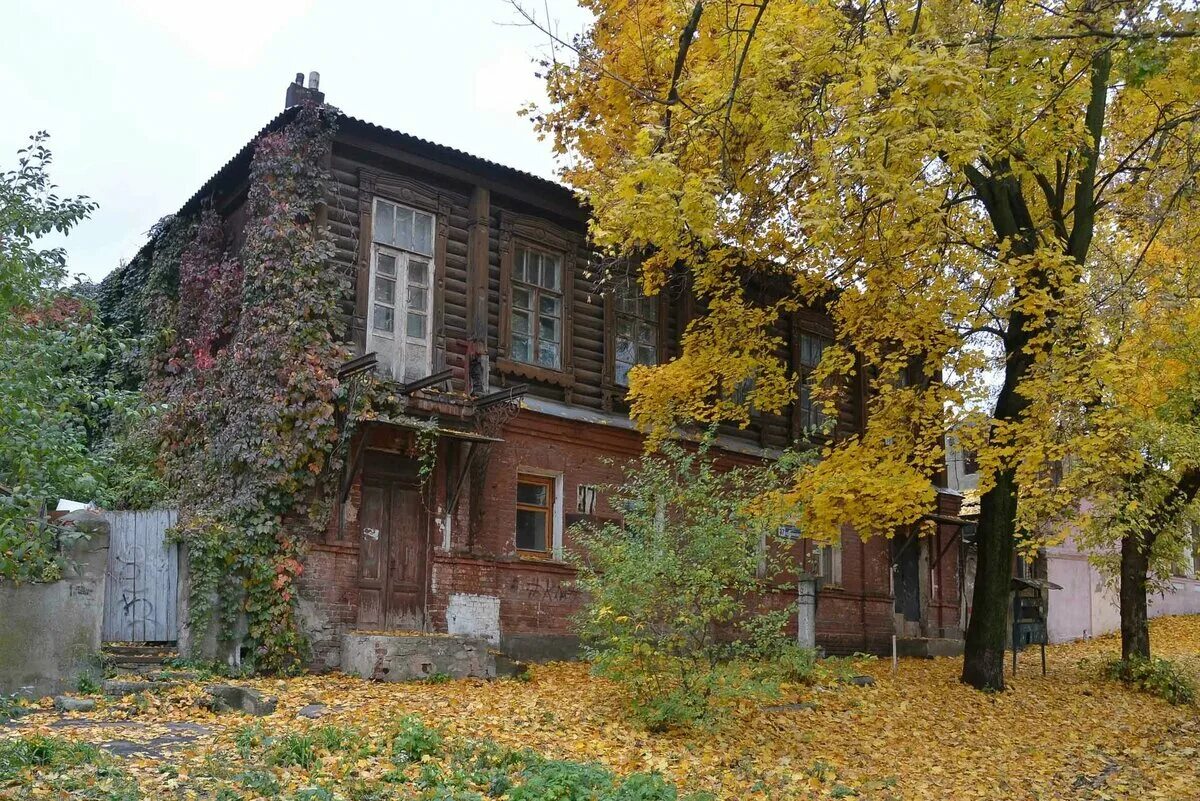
[{"x": 142, "y": 580}]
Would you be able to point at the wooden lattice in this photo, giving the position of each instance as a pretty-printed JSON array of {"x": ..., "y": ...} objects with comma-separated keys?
[{"x": 491, "y": 421}]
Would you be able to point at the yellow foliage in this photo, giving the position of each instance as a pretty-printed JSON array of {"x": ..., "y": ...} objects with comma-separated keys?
[
  {"x": 998, "y": 206},
  {"x": 919, "y": 735}
]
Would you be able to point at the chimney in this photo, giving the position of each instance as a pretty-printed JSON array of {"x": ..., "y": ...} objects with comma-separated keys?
[{"x": 298, "y": 94}]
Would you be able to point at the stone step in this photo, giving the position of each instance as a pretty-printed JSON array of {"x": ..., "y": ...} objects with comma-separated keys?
[
  {"x": 139, "y": 648},
  {"x": 142, "y": 659},
  {"x": 138, "y": 658}
]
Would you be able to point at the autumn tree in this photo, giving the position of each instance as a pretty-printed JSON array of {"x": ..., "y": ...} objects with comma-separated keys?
[
  {"x": 940, "y": 176},
  {"x": 1138, "y": 518},
  {"x": 53, "y": 400}
]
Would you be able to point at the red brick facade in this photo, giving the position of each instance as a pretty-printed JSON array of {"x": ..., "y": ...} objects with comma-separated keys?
[{"x": 533, "y": 600}]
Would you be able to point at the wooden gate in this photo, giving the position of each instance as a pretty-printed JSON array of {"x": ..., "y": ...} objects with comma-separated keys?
[{"x": 142, "y": 582}]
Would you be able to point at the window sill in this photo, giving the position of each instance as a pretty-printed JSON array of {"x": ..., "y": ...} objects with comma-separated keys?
[
  {"x": 544, "y": 375},
  {"x": 540, "y": 558}
]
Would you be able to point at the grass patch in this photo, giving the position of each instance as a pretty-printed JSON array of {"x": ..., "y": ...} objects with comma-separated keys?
[
  {"x": 37, "y": 751},
  {"x": 1156, "y": 676},
  {"x": 413, "y": 741}
]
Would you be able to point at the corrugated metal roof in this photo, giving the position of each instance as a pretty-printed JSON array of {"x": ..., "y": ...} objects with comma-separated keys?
[
  {"x": 230, "y": 170},
  {"x": 452, "y": 153}
]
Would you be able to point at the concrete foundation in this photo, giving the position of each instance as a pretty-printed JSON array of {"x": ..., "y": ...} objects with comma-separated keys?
[
  {"x": 406, "y": 657},
  {"x": 928, "y": 647},
  {"x": 50, "y": 633},
  {"x": 540, "y": 647}
]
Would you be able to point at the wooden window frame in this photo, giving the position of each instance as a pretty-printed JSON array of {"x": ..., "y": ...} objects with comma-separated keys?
[
  {"x": 815, "y": 552},
  {"x": 553, "y": 509},
  {"x": 523, "y": 231},
  {"x": 612, "y": 390},
  {"x": 419, "y": 196},
  {"x": 401, "y": 279},
  {"x": 536, "y": 292},
  {"x": 801, "y": 327}
]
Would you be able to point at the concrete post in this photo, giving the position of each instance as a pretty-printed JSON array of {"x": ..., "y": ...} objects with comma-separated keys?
[{"x": 806, "y": 612}]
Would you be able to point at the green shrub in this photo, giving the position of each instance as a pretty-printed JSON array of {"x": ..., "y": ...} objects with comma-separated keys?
[
  {"x": 249, "y": 738},
  {"x": 337, "y": 739},
  {"x": 1155, "y": 676},
  {"x": 87, "y": 684},
  {"x": 41, "y": 752},
  {"x": 798, "y": 665},
  {"x": 11, "y": 707},
  {"x": 558, "y": 780},
  {"x": 673, "y": 592},
  {"x": 645, "y": 787},
  {"x": 294, "y": 749},
  {"x": 313, "y": 794},
  {"x": 414, "y": 740},
  {"x": 261, "y": 782}
]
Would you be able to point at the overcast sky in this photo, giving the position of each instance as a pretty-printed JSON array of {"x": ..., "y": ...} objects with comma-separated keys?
[{"x": 145, "y": 99}]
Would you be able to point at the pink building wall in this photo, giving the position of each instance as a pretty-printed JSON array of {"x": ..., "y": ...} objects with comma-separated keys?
[{"x": 1086, "y": 607}]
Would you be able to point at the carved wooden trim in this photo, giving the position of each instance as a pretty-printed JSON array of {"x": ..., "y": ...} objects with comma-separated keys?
[
  {"x": 409, "y": 192},
  {"x": 794, "y": 365},
  {"x": 532, "y": 372},
  {"x": 362, "y": 273},
  {"x": 537, "y": 233},
  {"x": 478, "y": 225},
  {"x": 442, "y": 216},
  {"x": 417, "y": 195},
  {"x": 613, "y": 394},
  {"x": 609, "y": 391}
]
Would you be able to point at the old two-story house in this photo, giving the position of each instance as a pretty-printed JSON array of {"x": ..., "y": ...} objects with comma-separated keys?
[{"x": 471, "y": 283}]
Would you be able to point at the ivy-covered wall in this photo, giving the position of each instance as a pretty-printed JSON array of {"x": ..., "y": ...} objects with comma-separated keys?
[{"x": 239, "y": 372}]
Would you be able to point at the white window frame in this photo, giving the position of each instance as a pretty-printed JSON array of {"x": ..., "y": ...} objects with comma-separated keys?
[
  {"x": 813, "y": 418},
  {"x": 393, "y": 348},
  {"x": 628, "y": 292},
  {"x": 556, "y": 525},
  {"x": 536, "y": 290},
  {"x": 835, "y": 564}
]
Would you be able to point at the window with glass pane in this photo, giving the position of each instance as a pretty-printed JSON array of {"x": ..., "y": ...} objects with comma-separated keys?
[
  {"x": 404, "y": 228},
  {"x": 400, "y": 296},
  {"x": 637, "y": 331},
  {"x": 537, "y": 308},
  {"x": 812, "y": 348},
  {"x": 535, "y": 513}
]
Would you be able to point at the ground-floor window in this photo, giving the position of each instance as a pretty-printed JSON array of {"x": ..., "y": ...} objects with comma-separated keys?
[
  {"x": 827, "y": 561},
  {"x": 536, "y": 503}
]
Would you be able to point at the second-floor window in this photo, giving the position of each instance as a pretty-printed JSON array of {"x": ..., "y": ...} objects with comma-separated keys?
[
  {"x": 401, "y": 297},
  {"x": 812, "y": 348},
  {"x": 636, "y": 339},
  {"x": 537, "y": 307}
]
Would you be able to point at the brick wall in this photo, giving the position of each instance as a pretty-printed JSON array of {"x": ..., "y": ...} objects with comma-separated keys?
[
  {"x": 328, "y": 600},
  {"x": 536, "y": 598}
]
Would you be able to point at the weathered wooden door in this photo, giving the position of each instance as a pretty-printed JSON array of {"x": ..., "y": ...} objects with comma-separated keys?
[
  {"x": 393, "y": 556},
  {"x": 142, "y": 580}
]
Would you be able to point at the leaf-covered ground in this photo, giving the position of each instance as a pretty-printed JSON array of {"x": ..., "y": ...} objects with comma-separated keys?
[{"x": 919, "y": 735}]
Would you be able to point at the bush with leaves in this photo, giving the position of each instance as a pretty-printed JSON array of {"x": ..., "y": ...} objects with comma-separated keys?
[
  {"x": 54, "y": 396},
  {"x": 1155, "y": 676},
  {"x": 677, "y": 593}
]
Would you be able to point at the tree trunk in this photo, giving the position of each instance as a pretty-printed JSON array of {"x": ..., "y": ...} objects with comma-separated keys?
[
  {"x": 987, "y": 631},
  {"x": 1135, "y": 627},
  {"x": 1135, "y": 564}
]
